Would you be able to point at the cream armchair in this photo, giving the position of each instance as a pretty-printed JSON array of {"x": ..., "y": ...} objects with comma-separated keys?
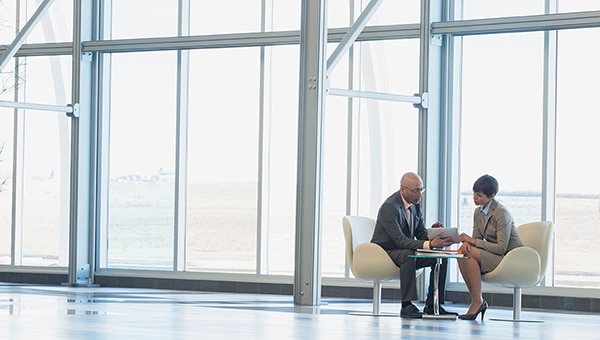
[
  {"x": 525, "y": 266},
  {"x": 368, "y": 261}
]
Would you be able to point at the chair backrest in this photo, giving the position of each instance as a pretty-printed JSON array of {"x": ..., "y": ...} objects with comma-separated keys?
[
  {"x": 357, "y": 230},
  {"x": 538, "y": 235}
]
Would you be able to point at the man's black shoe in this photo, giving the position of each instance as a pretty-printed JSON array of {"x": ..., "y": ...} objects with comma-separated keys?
[
  {"x": 411, "y": 311},
  {"x": 429, "y": 310}
]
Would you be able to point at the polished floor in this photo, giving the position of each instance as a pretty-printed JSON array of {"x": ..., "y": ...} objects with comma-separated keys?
[{"x": 62, "y": 312}]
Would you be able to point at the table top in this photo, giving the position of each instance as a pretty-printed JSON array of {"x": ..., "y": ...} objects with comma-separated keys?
[
  {"x": 426, "y": 253},
  {"x": 434, "y": 256}
]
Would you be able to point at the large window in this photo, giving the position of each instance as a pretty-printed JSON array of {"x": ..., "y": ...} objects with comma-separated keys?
[
  {"x": 197, "y": 148},
  {"x": 223, "y": 160},
  {"x": 6, "y": 202},
  {"x": 502, "y": 112},
  {"x": 35, "y": 143},
  {"x": 578, "y": 5},
  {"x": 388, "y": 12},
  {"x": 7, "y": 18},
  {"x": 278, "y": 160},
  {"x": 56, "y": 25},
  {"x": 477, "y": 9},
  {"x": 35, "y": 163},
  {"x": 143, "y": 18},
  {"x": 45, "y": 189},
  {"x": 285, "y": 15},
  {"x": 578, "y": 166},
  {"x": 217, "y": 17},
  {"x": 142, "y": 160},
  {"x": 241, "y": 147},
  {"x": 368, "y": 143}
]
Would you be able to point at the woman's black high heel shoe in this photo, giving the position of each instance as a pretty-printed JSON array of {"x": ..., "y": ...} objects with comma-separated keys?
[{"x": 473, "y": 316}]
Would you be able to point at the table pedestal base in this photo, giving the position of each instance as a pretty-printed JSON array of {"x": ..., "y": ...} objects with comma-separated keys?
[
  {"x": 436, "y": 302},
  {"x": 441, "y": 316}
]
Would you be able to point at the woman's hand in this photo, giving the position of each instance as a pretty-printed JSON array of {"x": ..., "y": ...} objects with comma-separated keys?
[
  {"x": 467, "y": 239},
  {"x": 465, "y": 249}
]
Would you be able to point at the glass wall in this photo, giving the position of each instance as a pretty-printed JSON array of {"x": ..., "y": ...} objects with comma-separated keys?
[
  {"x": 142, "y": 151},
  {"x": 577, "y": 164},
  {"x": 56, "y": 25},
  {"x": 222, "y": 189},
  {"x": 278, "y": 163},
  {"x": 282, "y": 15},
  {"x": 241, "y": 146},
  {"x": 368, "y": 143},
  {"x": 476, "y": 9},
  {"x": 198, "y": 155},
  {"x": 7, "y": 22},
  {"x": 578, "y": 6},
  {"x": 501, "y": 124},
  {"x": 7, "y": 84},
  {"x": 504, "y": 74},
  {"x": 215, "y": 17},
  {"x": 6, "y": 201},
  {"x": 36, "y": 164},
  {"x": 501, "y": 132},
  {"x": 159, "y": 19},
  {"x": 45, "y": 189}
]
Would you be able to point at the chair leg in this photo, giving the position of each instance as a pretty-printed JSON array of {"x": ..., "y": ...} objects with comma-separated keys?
[
  {"x": 517, "y": 295},
  {"x": 377, "y": 286},
  {"x": 376, "y": 297},
  {"x": 517, "y": 304}
]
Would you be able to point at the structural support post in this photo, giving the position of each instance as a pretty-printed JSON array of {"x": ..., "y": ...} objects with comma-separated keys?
[
  {"x": 549, "y": 128},
  {"x": 183, "y": 70},
  {"x": 313, "y": 39},
  {"x": 80, "y": 217},
  {"x": 431, "y": 129}
]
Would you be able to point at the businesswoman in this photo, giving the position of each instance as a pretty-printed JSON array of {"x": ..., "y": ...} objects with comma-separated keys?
[{"x": 494, "y": 235}]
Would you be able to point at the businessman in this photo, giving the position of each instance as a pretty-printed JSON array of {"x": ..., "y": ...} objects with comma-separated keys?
[{"x": 400, "y": 230}]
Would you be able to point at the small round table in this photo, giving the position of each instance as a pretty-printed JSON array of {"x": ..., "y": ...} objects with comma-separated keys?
[{"x": 439, "y": 255}]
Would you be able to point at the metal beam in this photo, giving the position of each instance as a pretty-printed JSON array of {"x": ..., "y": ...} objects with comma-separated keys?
[
  {"x": 352, "y": 34},
  {"x": 42, "y": 107},
  {"x": 414, "y": 99},
  {"x": 20, "y": 38},
  {"x": 529, "y": 23}
]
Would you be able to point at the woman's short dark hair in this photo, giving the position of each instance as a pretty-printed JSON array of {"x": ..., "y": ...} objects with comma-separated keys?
[{"x": 486, "y": 184}]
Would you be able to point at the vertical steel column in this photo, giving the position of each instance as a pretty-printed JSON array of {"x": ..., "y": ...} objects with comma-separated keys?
[
  {"x": 313, "y": 39},
  {"x": 430, "y": 129},
  {"x": 451, "y": 103},
  {"x": 430, "y": 164},
  {"x": 80, "y": 216},
  {"x": 183, "y": 68},
  {"x": 549, "y": 129},
  {"x": 104, "y": 65},
  {"x": 264, "y": 141}
]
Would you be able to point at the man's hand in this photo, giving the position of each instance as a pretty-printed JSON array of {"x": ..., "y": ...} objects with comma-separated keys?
[
  {"x": 440, "y": 242},
  {"x": 437, "y": 224}
]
